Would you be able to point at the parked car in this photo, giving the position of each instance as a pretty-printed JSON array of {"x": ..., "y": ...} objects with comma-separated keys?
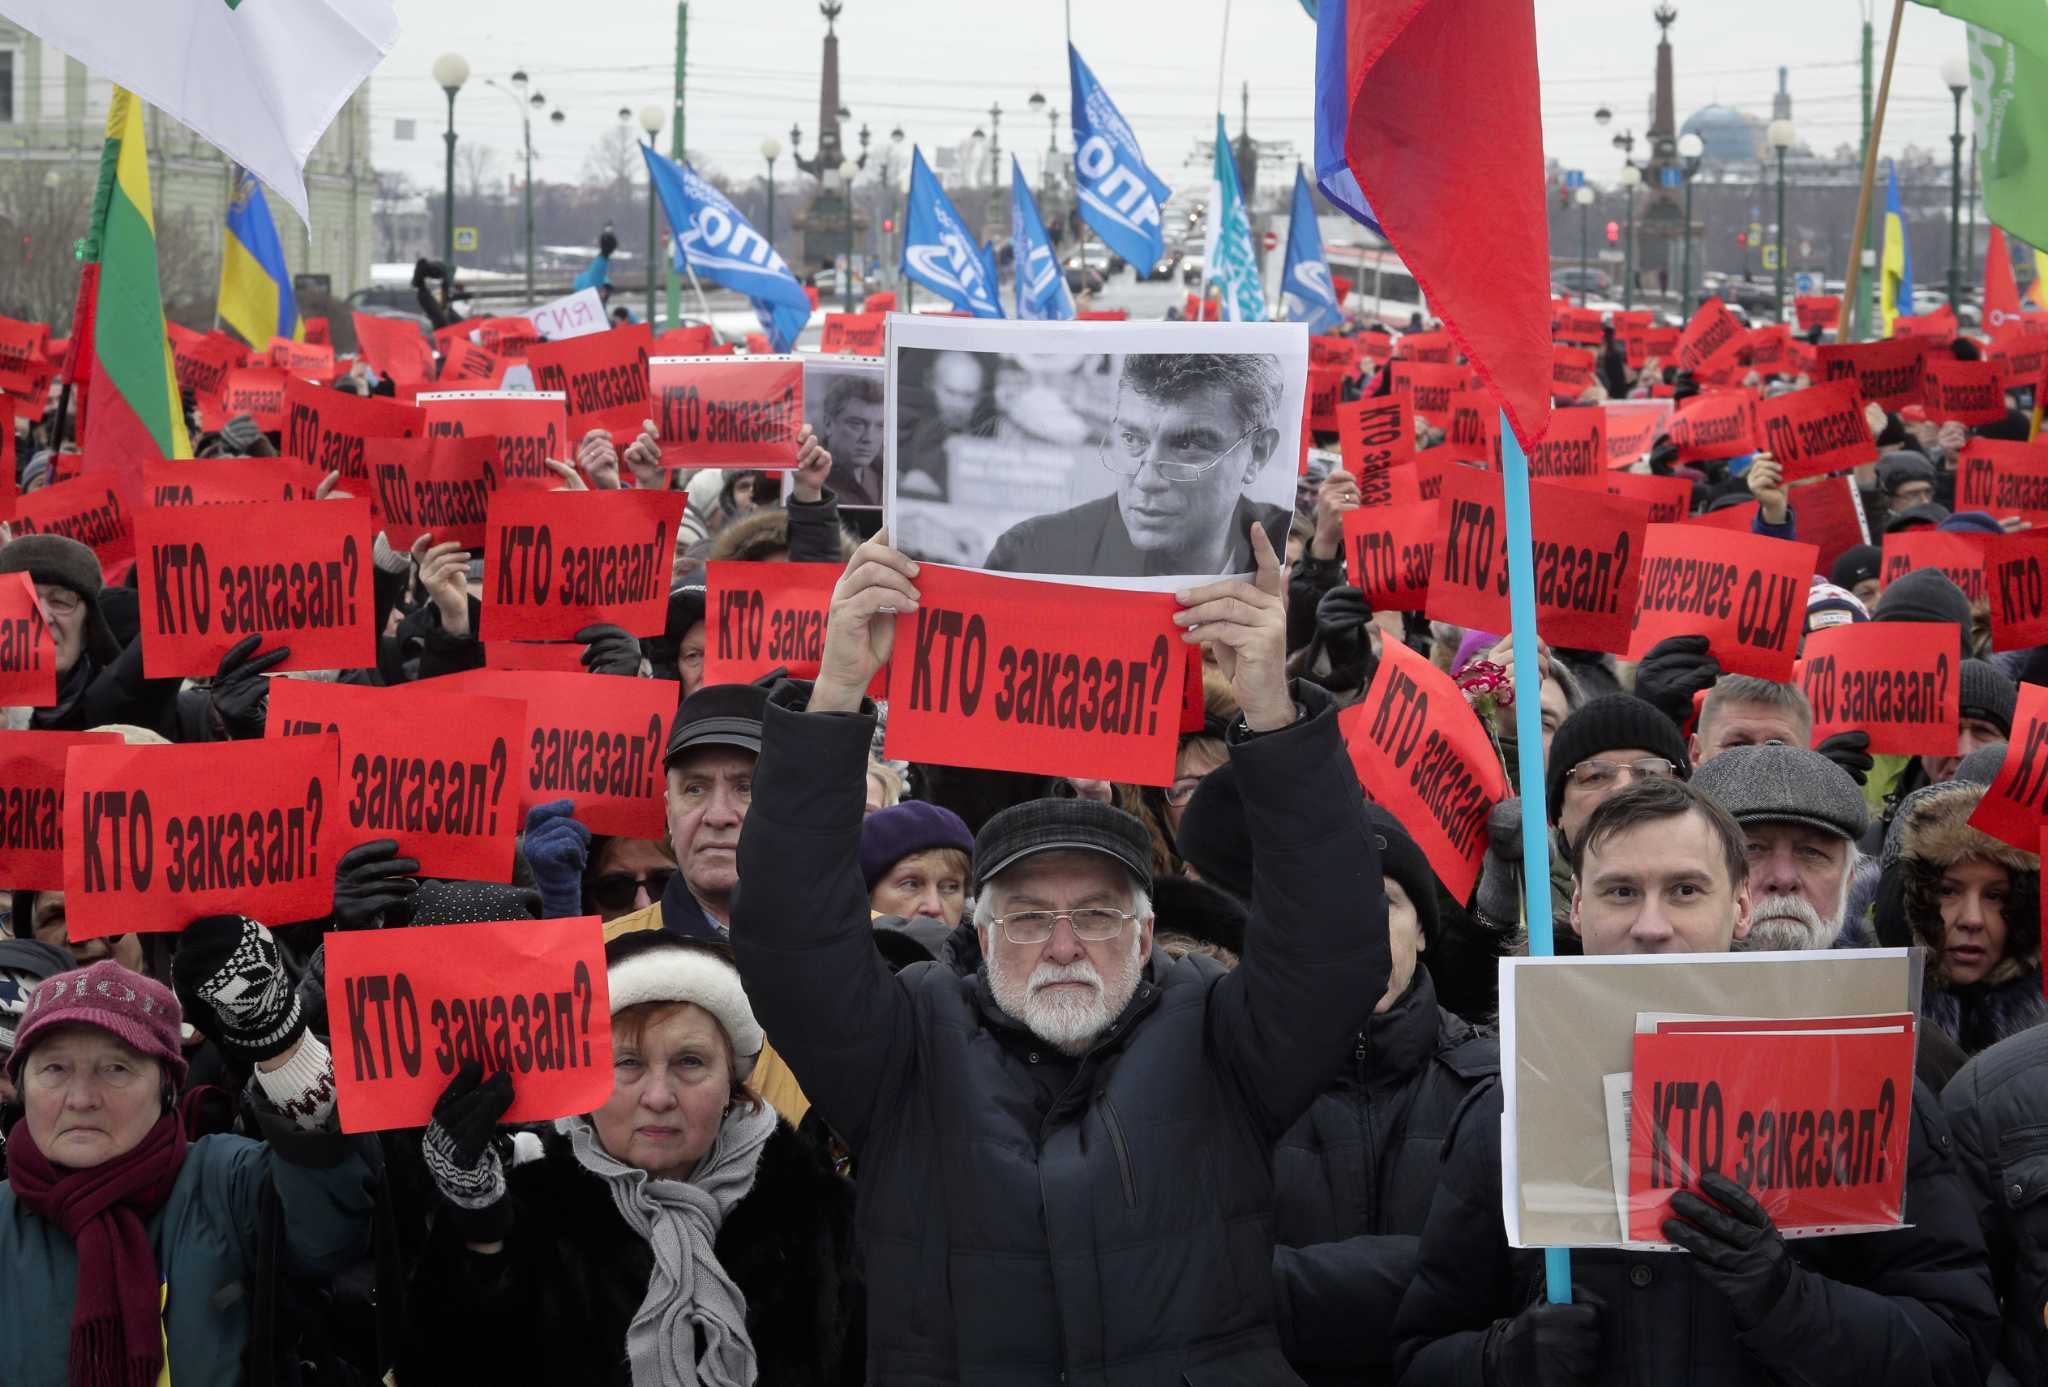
[{"x": 1572, "y": 279}]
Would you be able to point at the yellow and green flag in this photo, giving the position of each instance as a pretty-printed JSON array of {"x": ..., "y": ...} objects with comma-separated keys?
[{"x": 256, "y": 297}]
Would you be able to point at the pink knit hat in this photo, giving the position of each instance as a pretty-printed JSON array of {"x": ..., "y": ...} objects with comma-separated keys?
[{"x": 138, "y": 1011}]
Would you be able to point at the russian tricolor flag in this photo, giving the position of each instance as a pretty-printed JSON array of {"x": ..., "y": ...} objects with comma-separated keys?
[{"x": 1429, "y": 131}]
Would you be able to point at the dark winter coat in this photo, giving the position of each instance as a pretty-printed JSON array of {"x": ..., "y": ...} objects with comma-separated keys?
[
  {"x": 1998, "y": 1106},
  {"x": 1353, "y": 1181},
  {"x": 1037, "y": 1218},
  {"x": 553, "y": 1306},
  {"x": 1910, "y": 1308}
]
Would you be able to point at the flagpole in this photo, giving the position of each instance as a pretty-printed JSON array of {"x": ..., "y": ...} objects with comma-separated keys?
[
  {"x": 1223, "y": 52},
  {"x": 1862, "y": 224}
]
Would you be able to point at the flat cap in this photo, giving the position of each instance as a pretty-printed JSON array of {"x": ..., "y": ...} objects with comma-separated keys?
[
  {"x": 1061, "y": 825},
  {"x": 1784, "y": 784}
]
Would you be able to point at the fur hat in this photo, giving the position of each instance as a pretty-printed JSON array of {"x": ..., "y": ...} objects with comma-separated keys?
[
  {"x": 1935, "y": 834},
  {"x": 652, "y": 966},
  {"x": 63, "y": 562}
]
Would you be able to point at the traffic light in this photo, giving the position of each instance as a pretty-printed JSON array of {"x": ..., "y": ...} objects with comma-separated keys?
[
  {"x": 1742, "y": 240},
  {"x": 1613, "y": 232},
  {"x": 889, "y": 225}
]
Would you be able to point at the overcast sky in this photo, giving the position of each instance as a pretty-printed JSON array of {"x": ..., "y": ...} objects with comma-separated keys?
[{"x": 934, "y": 66}]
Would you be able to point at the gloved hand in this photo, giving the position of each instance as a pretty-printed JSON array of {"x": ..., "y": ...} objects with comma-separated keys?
[
  {"x": 558, "y": 849},
  {"x": 1498, "y": 896},
  {"x": 610, "y": 650},
  {"x": 1672, "y": 672},
  {"x": 232, "y": 983},
  {"x": 1341, "y": 617},
  {"x": 466, "y": 1168},
  {"x": 374, "y": 886},
  {"x": 1544, "y": 1346},
  {"x": 241, "y": 434},
  {"x": 1850, "y": 751},
  {"x": 239, "y": 700},
  {"x": 1741, "y": 1253}
]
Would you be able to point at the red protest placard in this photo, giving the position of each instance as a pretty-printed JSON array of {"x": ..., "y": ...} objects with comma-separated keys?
[
  {"x": 1669, "y": 498},
  {"x": 1896, "y": 680},
  {"x": 157, "y": 836},
  {"x": 1720, "y": 425},
  {"x": 1325, "y": 393},
  {"x": 1376, "y": 434},
  {"x": 1575, "y": 445},
  {"x": 203, "y": 361},
  {"x": 1571, "y": 372},
  {"x": 531, "y": 426},
  {"x": 2012, "y": 808},
  {"x": 762, "y": 616},
  {"x": 1710, "y": 340},
  {"x": 1436, "y": 348},
  {"x": 1889, "y": 373},
  {"x": 1011, "y": 674},
  {"x": 1582, "y": 326},
  {"x": 96, "y": 511},
  {"x": 394, "y": 346},
  {"x": 510, "y": 338},
  {"x": 296, "y": 574},
  {"x": 438, "y": 771},
  {"x": 558, "y": 561},
  {"x": 1421, "y": 753},
  {"x": 692, "y": 339},
  {"x": 1389, "y": 552},
  {"x": 853, "y": 334},
  {"x": 1326, "y": 350},
  {"x": 463, "y": 362},
  {"x": 32, "y": 806},
  {"x": 1430, "y": 386},
  {"x": 2016, "y": 581},
  {"x": 302, "y": 358},
  {"x": 1392, "y": 486},
  {"x": 713, "y": 411},
  {"x": 406, "y": 1008},
  {"x": 1812, "y": 1124},
  {"x": 593, "y": 739},
  {"x": 319, "y": 332},
  {"x": 1745, "y": 593},
  {"x": 1817, "y": 311},
  {"x": 1815, "y": 431},
  {"x": 1770, "y": 349},
  {"x": 602, "y": 377},
  {"x": 334, "y": 429},
  {"x": 1632, "y": 426},
  {"x": 9, "y": 481},
  {"x": 1473, "y": 431},
  {"x": 2004, "y": 477},
  {"x": 21, "y": 343},
  {"x": 561, "y": 657},
  {"x": 219, "y": 481},
  {"x": 1960, "y": 556},
  {"x": 1969, "y": 392},
  {"x": 257, "y": 391},
  {"x": 437, "y": 486},
  {"x": 28, "y": 656}
]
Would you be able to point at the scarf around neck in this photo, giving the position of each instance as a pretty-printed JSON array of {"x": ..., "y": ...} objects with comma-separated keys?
[
  {"x": 116, "y": 1324},
  {"x": 688, "y": 1291}
]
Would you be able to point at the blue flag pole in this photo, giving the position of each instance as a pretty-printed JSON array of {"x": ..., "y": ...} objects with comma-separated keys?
[{"x": 1557, "y": 1261}]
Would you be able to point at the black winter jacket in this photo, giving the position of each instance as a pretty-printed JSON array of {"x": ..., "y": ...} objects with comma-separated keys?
[
  {"x": 1353, "y": 1181},
  {"x": 1038, "y": 1218},
  {"x": 553, "y": 1306},
  {"x": 1911, "y": 1308},
  {"x": 1998, "y": 1105}
]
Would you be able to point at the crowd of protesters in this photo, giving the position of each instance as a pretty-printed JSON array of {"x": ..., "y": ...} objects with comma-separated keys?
[{"x": 926, "y": 1074}]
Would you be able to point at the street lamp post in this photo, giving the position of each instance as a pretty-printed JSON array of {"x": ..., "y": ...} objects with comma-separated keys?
[
  {"x": 1781, "y": 135},
  {"x": 1584, "y": 197},
  {"x": 652, "y": 118},
  {"x": 771, "y": 150},
  {"x": 1955, "y": 73},
  {"x": 516, "y": 88},
  {"x": 1692, "y": 149},
  {"x": 847, "y": 170},
  {"x": 1631, "y": 179},
  {"x": 451, "y": 70}
]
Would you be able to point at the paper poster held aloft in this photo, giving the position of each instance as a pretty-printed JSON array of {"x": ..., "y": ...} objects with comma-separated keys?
[
  {"x": 531, "y": 426},
  {"x": 602, "y": 378},
  {"x": 558, "y": 561},
  {"x": 1745, "y": 593},
  {"x": 32, "y": 793},
  {"x": 1389, "y": 552},
  {"x": 1898, "y": 681},
  {"x": 28, "y": 654},
  {"x": 727, "y": 411}
]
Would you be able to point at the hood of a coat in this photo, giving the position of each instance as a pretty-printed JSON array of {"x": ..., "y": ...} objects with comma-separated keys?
[{"x": 1934, "y": 833}]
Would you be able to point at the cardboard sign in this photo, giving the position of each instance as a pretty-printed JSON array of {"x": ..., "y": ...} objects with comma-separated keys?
[
  {"x": 530, "y": 426},
  {"x": 593, "y": 739},
  {"x": 558, "y": 561},
  {"x": 296, "y": 574},
  {"x": 580, "y": 314},
  {"x": 1012, "y": 674},
  {"x": 1632, "y": 426},
  {"x": 32, "y": 805},
  {"x": 1473, "y": 431},
  {"x": 1421, "y": 753},
  {"x": 302, "y": 358},
  {"x": 1707, "y": 427},
  {"x": 437, "y": 486},
  {"x": 158, "y": 836},
  {"x": 28, "y": 655},
  {"x": 1710, "y": 340},
  {"x": 1969, "y": 392},
  {"x": 1571, "y": 373},
  {"x": 92, "y": 510},
  {"x": 202, "y": 362},
  {"x": 713, "y": 411},
  {"x": 2016, "y": 579},
  {"x": 257, "y": 391},
  {"x": 221, "y": 481},
  {"x": 1890, "y": 373},
  {"x": 1430, "y": 387},
  {"x": 1745, "y": 593},
  {"x": 602, "y": 378},
  {"x": 334, "y": 429},
  {"x": 406, "y": 1008},
  {"x": 853, "y": 334},
  {"x": 395, "y": 346},
  {"x": 1575, "y": 445},
  {"x": 1815, "y": 431},
  {"x": 1376, "y": 434},
  {"x": 1669, "y": 498},
  {"x": 463, "y": 362},
  {"x": 1960, "y": 556},
  {"x": 1896, "y": 680},
  {"x": 1389, "y": 552},
  {"x": 1582, "y": 326},
  {"x": 560, "y": 657},
  {"x": 2005, "y": 478},
  {"x": 438, "y": 771},
  {"x": 1817, "y": 311}
]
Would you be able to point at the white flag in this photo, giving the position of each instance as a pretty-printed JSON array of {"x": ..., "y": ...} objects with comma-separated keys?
[{"x": 260, "y": 80}]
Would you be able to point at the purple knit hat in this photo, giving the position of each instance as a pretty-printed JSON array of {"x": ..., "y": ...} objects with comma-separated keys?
[
  {"x": 138, "y": 1011},
  {"x": 887, "y": 836}
]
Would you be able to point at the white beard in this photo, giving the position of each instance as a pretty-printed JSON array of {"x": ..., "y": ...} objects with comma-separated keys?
[
  {"x": 1068, "y": 1020},
  {"x": 1782, "y": 923}
]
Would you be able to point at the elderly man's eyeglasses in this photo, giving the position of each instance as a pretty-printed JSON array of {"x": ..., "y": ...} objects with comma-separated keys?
[
  {"x": 1126, "y": 447},
  {"x": 1597, "y": 775},
  {"x": 1093, "y": 923},
  {"x": 60, "y": 601}
]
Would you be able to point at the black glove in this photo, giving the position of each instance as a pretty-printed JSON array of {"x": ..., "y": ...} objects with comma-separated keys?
[
  {"x": 1498, "y": 898},
  {"x": 465, "y": 1166},
  {"x": 1741, "y": 1253},
  {"x": 373, "y": 886},
  {"x": 610, "y": 650},
  {"x": 241, "y": 434},
  {"x": 239, "y": 700},
  {"x": 1341, "y": 617},
  {"x": 1674, "y": 671},
  {"x": 1850, "y": 751},
  {"x": 234, "y": 988},
  {"x": 1544, "y": 1346},
  {"x": 607, "y": 243}
]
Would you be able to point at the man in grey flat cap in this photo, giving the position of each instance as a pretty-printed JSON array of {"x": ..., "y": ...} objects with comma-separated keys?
[{"x": 1801, "y": 816}]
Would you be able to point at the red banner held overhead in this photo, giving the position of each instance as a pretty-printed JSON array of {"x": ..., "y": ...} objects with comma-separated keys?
[
  {"x": 1891, "y": 373},
  {"x": 157, "y": 836},
  {"x": 437, "y": 486},
  {"x": 1571, "y": 372},
  {"x": 1896, "y": 680},
  {"x": 296, "y": 574},
  {"x": 407, "y": 1008},
  {"x": 1376, "y": 434},
  {"x": 32, "y": 806},
  {"x": 854, "y": 334},
  {"x": 1710, "y": 340},
  {"x": 1969, "y": 392},
  {"x": 728, "y": 411},
  {"x": 1575, "y": 445},
  {"x": 439, "y": 772},
  {"x": 1430, "y": 387},
  {"x": 1960, "y": 556},
  {"x": 531, "y": 427},
  {"x": 1003, "y": 673},
  {"x": 1389, "y": 552},
  {"x": 1745, "y": 593},
  {"x": 96, "y": 511},
  {"x": 1710, "y": 427},
  {"x": 28, "y": 655},
  {"x": 335, "y": 430},
  {"x": 602, "y": 377},
  {"x": 1815, "y": 431},
  {"x": 558, "y": 561},
  {"x": 1421, "y": 753},
  {"x": 394, "y": 346},
  {"x": 2016, "y": 579},
  {"x": 2004, "y": 477},
  {"x": 1632, "y": 426},
  {"x": 222, "y": 481}
]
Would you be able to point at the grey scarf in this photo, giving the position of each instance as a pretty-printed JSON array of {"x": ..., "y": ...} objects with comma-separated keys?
[{"x": 688, "y": 1290}]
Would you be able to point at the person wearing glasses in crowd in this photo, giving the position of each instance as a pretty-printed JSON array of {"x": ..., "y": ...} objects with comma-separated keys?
[
  {"x": 852, "y": 434},
  {"x": 1191, "y": 434},
  {"x": 625, "y": 875}
]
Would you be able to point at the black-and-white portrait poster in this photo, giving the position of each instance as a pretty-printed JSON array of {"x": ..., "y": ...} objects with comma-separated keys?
[
  {"x": 843, "y": 404},
  {"x": 1134, "y": 455}
]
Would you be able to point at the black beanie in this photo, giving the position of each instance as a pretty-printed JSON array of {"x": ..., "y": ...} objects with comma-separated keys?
[
  {"x": 1199, "y": 910},
  {"x": 1212, "y": 837},
  {"x": 1983, "y": 692},
  {"x": 1402, "y": 860},
  {"x": 1925, "y": 594},
  {"x": 1610, "y": 723},
  {"x": 1858, "y": 563}
]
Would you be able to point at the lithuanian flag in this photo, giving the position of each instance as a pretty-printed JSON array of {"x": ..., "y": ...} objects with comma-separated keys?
[{"x": 135, "y": 409}]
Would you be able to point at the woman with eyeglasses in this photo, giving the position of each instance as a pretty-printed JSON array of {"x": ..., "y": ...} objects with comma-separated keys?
[{"x": 625, "y": 875}]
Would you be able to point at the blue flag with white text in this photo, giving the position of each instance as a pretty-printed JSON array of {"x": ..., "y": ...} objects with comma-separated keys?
[
  {"x": 1227, "y": 248},
  {"x": 1041, "y": 287},
  {"x": 1333, "y": 115},
  {"x": 937, "y": 251},
  {"x": 710, "y": 236},
  {"x": 1120, "y": 197},
  {"x": 1305, "y": 285}
]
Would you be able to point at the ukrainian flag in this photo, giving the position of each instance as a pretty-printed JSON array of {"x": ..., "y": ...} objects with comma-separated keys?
[
  {"x": 1896, "y": 268},
  {"x": 255, "y": 290}
]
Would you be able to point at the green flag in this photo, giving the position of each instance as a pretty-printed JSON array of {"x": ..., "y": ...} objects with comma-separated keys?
[
  {"x": 2009, "y": 95},
  {"x": 2026, "y": 24}
]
